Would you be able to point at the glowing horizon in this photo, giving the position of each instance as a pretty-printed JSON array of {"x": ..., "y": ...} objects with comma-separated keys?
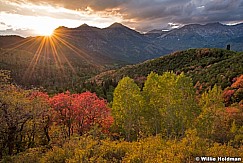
[
  {"x": 30, "y": 17},
  {"x": 42, "y": 20}
]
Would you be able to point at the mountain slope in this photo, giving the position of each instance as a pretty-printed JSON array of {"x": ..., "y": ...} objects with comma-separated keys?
[
  {"x": 9, "y": 41},
  {"x": 82, "y": 52},
  {"x": 212, "y": 35},
  {"x": 118, "y": 44},
  {"x": 208, "y": 66},
  {"x": 115, "y": 44},
  {"x": 50, "y": 72}
]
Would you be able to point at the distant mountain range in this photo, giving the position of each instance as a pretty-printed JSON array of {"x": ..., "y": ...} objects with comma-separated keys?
[
  {"x": 212, "y": 35},
  {"x": 118, "y": 44}
]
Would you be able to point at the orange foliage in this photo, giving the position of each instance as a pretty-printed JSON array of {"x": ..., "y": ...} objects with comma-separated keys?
[
  {"x": 232, "y": 110},
  {"x": 238, "y": 83},
  {"x": 227, "y": 94},
  {"x": 38, "y": 94}
]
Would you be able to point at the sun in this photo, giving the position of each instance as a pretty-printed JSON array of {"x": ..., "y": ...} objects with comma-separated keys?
[{"x": 45, "y": 31}]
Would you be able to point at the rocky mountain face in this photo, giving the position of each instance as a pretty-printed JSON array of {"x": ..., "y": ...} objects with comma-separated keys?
[
  {"x": 212, "y": 35},
  {"x": 118, "y": 44}
]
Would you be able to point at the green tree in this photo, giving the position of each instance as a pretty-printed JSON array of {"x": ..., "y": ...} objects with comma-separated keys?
[
  {"x": 127, "y": 107},
  {"x": 188, "y": 110},
  {"x": 211, "y": 121},
  {"x": 152, "y": 91},
  {"x": 171, "y": 107}
]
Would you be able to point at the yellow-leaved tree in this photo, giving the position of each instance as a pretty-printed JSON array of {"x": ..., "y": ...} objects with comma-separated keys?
[
  {"x": 127, "y": 108},
  {"x": 171, "y": 107}
]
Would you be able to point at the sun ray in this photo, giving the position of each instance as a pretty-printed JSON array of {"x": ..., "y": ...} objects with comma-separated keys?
[
  {"x": 54, "y": 42},
  {"x": 33, "y": 63},
  {"x": 59, "y": 58},
  {"x": 56, "y": 56},
  {"x": 77, "y": 51},
  {"x": 17, "y": 45},
  {"x": 45, "y": 61},
  {"x": 49, "y": 51}
]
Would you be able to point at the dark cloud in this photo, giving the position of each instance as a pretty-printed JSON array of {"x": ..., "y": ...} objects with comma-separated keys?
[
  {"x": 149, "y": 14},
  {"x": 221, "y": 5}
]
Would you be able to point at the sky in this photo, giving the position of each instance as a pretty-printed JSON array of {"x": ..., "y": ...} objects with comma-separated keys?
[{"x": 41, "y": 17}]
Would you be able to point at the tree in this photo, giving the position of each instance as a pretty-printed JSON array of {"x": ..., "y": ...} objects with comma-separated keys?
[
  {"x": 228, "y": 47},
  {"x": 79, "y": 113},
  {"x": 21, "y": 120},
  {"x": 234, "y": 93},
  {"x": 238, "y": 82},
  {"x": 227, "y": 95},
  {"x": 171, "y": 106},
  {"x": 186, "y": 102},
  {"x": 42, "y": 116},
  {"x": 4, "y": 78},
  {"x": 211, "y": 121},
  {"x": 63, "y": 113},
  {"x": 127, "y": 107},
  {"x": 91, "y": 112},
  {"x": 152, "y": 94}
]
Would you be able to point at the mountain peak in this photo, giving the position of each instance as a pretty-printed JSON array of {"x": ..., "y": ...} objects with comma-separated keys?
[
  {"x": 60, "y": 28},
  {"x": 116, "y": 25},
  {"x": 84, "y": 26},
  {"x": 214, "y": 24}
]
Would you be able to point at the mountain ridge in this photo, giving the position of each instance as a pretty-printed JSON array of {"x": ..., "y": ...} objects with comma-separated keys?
[
  {"x": 213, "y": 35},
  {"x": 93, "y": 50},
  {"x": 118, "y": 44}
]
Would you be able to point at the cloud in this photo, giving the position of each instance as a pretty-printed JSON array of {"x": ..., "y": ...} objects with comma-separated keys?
[
  {"x": 19, "y": 32},
  {"x": 146, "y": 15},
  {"x": 97, "y": 5},
  {"x": 4, "y": 26},
  {"x": 29, "y": 15}
]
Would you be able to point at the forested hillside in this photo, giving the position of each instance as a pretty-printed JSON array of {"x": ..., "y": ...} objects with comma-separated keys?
[
  {"x": 53, "y": 73},
  {"x": 206, "y": 66},
  {"x": 170, "y": 109},
  {"x": 165, "y": 121},
  {"x": 121, "y": 81}
]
